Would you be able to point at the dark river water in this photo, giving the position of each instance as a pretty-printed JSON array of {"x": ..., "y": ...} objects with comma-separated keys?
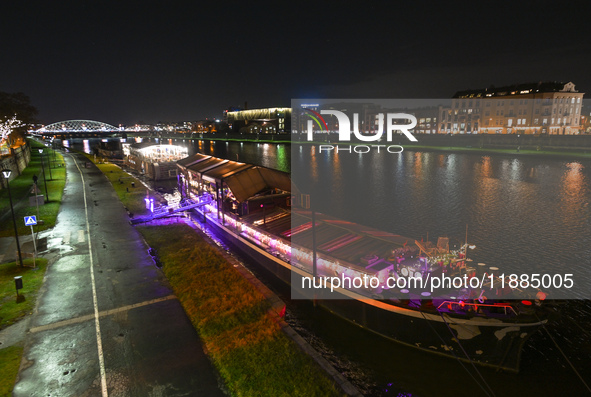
[{"x": 524, "y": 213}]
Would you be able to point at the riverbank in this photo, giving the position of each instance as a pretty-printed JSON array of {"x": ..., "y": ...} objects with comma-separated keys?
[
  {"x": 21, "y": 188},
  {"x": 240, "y": 331},
  {"x": 14, "y": 308},
  {"x": 243, "y": 334},
  {"x": 557, "y": 146}
]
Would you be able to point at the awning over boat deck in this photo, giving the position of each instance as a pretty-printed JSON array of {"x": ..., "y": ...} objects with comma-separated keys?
[
  {"x": 339, "y": 239},
  {"x": 206, "y": 164},
  {"x": 191, "y": 160},
  {"x": 244, "y": 180},
  {"x": 250, "y": 181},
  {"x": 274, "y": 221},
  {"x": 217, "y": 174}
]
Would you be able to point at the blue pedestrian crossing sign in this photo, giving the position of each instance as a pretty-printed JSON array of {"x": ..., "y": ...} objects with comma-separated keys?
[{"x": 30, "y": 220}]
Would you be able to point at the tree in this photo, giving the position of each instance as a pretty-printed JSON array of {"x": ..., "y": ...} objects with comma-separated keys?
[{"x": 16, "y": 112}]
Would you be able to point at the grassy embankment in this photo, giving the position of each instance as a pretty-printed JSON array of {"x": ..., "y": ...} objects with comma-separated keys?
[
  {"x": 13, "y": 308},
  {"x": 513, "y": 152},
  {"x": 131, "y": 196},
  {"x": 21, "y": 190},
  {"x": 10, "y": 359},
  {"x": 245, "y": 343},
  {"x": 232, "y": 317}
]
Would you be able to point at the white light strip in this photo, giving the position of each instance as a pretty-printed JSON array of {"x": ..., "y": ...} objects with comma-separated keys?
[{"x": 94, "y": 297}]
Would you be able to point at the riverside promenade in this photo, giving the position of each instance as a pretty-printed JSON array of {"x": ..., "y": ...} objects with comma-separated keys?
[{"x": 107, "y": 322}]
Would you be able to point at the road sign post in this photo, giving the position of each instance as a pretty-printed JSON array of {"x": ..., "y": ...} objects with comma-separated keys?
[
  {"x": 36, "y": 201},
  {"x": 31, "y": 221},
  {"x": 34, "y": 247}
]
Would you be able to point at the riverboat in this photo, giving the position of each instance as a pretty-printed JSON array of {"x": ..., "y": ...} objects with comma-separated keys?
[{"x": 320, "y": 256}]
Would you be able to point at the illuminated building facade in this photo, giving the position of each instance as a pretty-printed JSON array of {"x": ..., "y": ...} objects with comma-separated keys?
[
  {"x": 537, "y": 108},
  {"x": 153, "y": 160},
  {"x": 260, "y": 121}
]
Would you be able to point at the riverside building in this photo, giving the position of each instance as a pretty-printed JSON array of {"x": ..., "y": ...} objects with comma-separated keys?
[{"x": 534, "y": 108}]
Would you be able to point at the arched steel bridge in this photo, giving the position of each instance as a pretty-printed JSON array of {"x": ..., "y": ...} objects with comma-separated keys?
[{"x": 77, "y": 126}]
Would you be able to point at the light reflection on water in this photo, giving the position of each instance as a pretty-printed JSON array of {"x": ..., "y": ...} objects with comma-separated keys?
[
  {"x": 541, "y": 203},
  {"x": 524, "y": 214},
  {"x": 520, "y": 211}
]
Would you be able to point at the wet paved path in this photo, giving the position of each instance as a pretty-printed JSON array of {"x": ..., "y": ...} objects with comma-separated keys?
[{"x": 107, "y": 322}]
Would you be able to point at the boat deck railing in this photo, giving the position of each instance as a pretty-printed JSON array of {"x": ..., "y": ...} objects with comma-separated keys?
[
  {"x": 462, "y": 305},
  {"x": 164, "y": 211}
]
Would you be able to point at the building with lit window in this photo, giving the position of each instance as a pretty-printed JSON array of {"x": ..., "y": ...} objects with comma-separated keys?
[
  {"x": 536, "y": 108},
  {"x": 260, "y": 121},
  {"x": 153, "y": 160}
]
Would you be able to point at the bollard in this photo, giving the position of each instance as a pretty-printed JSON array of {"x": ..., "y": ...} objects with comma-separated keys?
[{"x": 18, "y": 283}]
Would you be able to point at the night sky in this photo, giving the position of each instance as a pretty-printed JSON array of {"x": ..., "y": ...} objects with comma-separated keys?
[{"x": 128, "y": 62}]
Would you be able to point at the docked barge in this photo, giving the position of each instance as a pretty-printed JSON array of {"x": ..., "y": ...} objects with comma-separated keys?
[{"x": 254, "y": 208}]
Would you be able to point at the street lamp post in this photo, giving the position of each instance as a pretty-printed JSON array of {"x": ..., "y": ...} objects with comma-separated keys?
[
  {"x": 53, "y": 158},
  {"x": 49, "y": 166},
  {"x": 6, "y": 174},
  {"x": 44, "y": 180}
]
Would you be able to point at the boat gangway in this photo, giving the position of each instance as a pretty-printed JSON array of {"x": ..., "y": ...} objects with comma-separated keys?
[{"x": 164, "y": 210}]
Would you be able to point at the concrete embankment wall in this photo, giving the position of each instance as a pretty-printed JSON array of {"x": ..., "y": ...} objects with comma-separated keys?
[
  {"x": 17, "y": 161},
  {"x": 532, "y": 142},
  {"x": 580, "y": 143}
]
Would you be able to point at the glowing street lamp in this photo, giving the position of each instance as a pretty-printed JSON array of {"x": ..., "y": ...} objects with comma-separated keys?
[
  {"x": 44, "y": 180},
  {"x": 6, "y": 174}
]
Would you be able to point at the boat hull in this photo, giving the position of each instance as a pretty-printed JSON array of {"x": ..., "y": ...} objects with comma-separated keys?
[{"x": 484, "y": 341}]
